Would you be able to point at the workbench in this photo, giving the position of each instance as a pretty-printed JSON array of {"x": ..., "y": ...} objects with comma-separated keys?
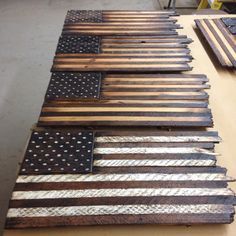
[{"x": 222, "y": 102}]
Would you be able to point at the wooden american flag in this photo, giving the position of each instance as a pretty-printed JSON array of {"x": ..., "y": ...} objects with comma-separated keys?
[{"x": 73, "y": 177}]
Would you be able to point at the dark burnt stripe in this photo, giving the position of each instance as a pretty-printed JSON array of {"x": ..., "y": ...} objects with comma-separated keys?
[
  {"x": 172, "y": 200},
  {"x": 182, "y": 156},
  {"x": 164, "y": 170},
  {"x": 201, "y": 96},
  {"x": 177, "y": 89},
  {"x": 165, "y": 219},
  {"x": 168, "y": 76},
  {"x": 129, "y": 184},
  {"x": 205, "y": 123},
  {"x": 157, "y": 133},
  {"x": 206, "y": 114},
  {"x": 104, "y": 103},
  {"x": 156, "y": 144}
]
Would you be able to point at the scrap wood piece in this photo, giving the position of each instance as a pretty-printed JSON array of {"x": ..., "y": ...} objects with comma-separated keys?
[
  {"x": 220, "y": 40},
  {"x": 138, "y": 177}
]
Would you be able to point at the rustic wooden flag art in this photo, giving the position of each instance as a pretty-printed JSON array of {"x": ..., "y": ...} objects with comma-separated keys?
[
  {"x": 126, "y": 99},
  {"x": 121, "y": 139},
  {"x": 73, "y": 177},
  {"x": 121, "y": 41},
  {"x": 220, "y": 34}
]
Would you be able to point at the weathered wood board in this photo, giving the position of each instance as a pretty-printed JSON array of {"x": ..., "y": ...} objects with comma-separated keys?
[
  {"x": 137, "y": 178},
  {"x": 220, "y": 39},
  {"x": 126, "y": 99}
]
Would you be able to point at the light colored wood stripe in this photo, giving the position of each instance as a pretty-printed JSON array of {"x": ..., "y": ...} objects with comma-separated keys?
[
  {"x": 120, "y": 210},
  {"x": 148, "y": 162},
  {"x": 158, "y": 23},
  {"x": 153, "y": 86},
  {"x": 159, "y": 139},
  {"x": 107, "y": 15},
  {"x": 179, "y": 52},
  {"x": 140, "y": 49},
  {"x": 124, "y": 109},
  {"x": 153, "y": 19},
  {"x": 88, "y": 66},
  {"x": 126, "y": 44},
  {"x": 114, "y": 31},
  {"x": 153, "y": 39},
  {"x": 119, "y": 60},
  {"x": 122, "y": 118},
  {"x": 116, "y": 192},
  {"x": 143, "y": 150},
  {"x": 162, "y": 12},
  {"x": 144, "y": 102},
  {"x": 151, "y": 79},
  {"x": 122, "y": 177},
  {"x": 158, "y": 27},
  {"x": 152, "y": 93}
]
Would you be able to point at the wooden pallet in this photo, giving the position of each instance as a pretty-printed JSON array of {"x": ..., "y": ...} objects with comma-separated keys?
[
  {"x": 126, "y": 99},
  {"x": 136, "y": 178},
  {"x": 222, "y": 42}
]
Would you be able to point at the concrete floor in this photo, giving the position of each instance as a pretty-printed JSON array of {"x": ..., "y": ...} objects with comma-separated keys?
[{"x": 29, "y": 32}]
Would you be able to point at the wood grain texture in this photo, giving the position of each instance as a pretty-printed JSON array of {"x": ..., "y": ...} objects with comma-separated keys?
[{"x": 220, "y": 40}]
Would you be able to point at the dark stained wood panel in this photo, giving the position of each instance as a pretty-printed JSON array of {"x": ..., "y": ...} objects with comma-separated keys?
[
  {"x": 222, "y": 42},
  {"x": 74, "y": 86},
  {"x": 58, "y": 152},
  {"x": 138, "y": 177},
  {"x": 127, "y": 99},
  {"x": 230, "y": 23}
]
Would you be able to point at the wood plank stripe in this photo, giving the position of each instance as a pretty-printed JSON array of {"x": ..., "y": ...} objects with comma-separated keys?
[
  {"x": 124, "y": 109},
  {"x": 121, "y": 67},
  {"x": 119, "y": 209},
  {"x": 137, "y": 103},
  {"x": 119, "y": 32},
  {"x": 108, "y": 184},
  {"x": 148, "y": 162},
  {"x": 159, "y": 139},
  {"x": 118, "y": 60},
  {"x": 173, "y": 53},
  {"x": 151, "y": 95},
  {"x": 184, "y": 219},
  {"x": 170, "y": 200},
  {"x": 149, "y": 150},
  {"x": 122, "y": 177},
  {"x": 134, "y": 192},
  {"x": 126, "y": 26}
]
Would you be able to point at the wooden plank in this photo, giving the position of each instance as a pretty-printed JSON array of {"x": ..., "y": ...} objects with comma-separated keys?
[{"x": 218, "y": 38}]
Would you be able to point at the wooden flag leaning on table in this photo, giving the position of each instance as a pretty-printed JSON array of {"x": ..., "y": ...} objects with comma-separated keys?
[{"x": 73, "y": 177}]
